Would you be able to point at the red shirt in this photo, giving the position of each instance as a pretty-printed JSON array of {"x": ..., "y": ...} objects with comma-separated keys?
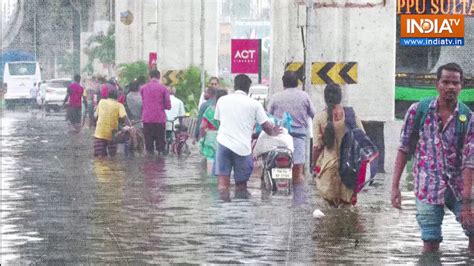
[
  {"x": 76, "y": 91},
  {"x": 155, "y": 98},
  {"x": 104, "y": 90},
  {"x": 121, "y": 98}
]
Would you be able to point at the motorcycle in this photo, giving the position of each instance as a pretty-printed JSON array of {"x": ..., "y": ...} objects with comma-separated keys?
[
  {"x": 277, "y": 170},
  {"x": 276, "y": 154}
]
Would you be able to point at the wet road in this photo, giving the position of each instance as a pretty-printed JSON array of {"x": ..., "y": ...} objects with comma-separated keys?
[{"x": 60, "y": 205}]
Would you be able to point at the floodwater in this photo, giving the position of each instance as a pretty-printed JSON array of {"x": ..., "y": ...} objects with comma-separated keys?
[{"x": 60, "y": 205}]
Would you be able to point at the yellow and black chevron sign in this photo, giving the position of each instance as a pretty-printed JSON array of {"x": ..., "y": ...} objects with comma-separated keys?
[
  {"x": 297, "y": 67},
  {"x": 171, "y": 77},
  {"x": 332, "y": 72}
]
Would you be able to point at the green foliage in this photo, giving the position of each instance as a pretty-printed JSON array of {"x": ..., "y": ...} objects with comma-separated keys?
[
  {"x": 188, "y": 89},
  {"x": 102, "y": 48},
  {"x": 129, "y": 72}
]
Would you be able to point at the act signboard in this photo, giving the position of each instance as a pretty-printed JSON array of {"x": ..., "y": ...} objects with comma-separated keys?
[{"x": 245, "y": 56}]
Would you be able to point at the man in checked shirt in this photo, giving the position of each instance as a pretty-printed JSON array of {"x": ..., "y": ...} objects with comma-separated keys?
[{"x": 442, "y": 164}]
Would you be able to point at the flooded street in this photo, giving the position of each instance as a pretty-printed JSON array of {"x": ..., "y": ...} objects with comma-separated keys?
[{"x": 60, "y": 205}]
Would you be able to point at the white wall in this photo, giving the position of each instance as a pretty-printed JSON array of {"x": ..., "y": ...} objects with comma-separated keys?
[
  {"x": 286, "y": 39},
  {"x": 127, "y": 37},
  {"x": 172, "y": 28},
  {"x": 344, "y": 33}
]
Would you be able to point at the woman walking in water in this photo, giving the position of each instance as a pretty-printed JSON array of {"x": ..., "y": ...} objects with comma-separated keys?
[{"x": 329, "y": 128}]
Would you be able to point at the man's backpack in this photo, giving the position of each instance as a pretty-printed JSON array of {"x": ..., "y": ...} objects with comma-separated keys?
[
  {"x": 356, "y": 148},
  {"x": 462, "y": 121}
]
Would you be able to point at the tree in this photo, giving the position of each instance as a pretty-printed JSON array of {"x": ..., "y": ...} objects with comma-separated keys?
[
  {"x": 129, "y": 72},
  {"x": 188, "y": 88},
  {"x": 102, "y": 48}
]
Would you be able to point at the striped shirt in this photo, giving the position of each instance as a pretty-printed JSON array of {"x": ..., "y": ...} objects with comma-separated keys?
[{"x": 437, "y": 164}]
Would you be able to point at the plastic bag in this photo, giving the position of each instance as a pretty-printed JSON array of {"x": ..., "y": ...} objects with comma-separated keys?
[
  {"x": 265, "y": 142},
  {"x": 284, "y": 122}
]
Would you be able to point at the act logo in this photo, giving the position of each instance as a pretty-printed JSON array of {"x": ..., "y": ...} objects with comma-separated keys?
[
  {"x": 245, "y": 54},
  {"x": 432, "y": 26}
]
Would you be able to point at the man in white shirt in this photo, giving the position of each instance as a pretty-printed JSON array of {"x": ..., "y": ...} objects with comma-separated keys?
[
  {"x": 237, "y": 114},
  {"x": 176, "y": 111}
]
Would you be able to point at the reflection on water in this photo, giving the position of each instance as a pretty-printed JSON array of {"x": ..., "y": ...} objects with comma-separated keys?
[
  {"x": 108, "y": 216},
  {"x": 154, "y": 174},
  {"x": 60, "y": 206},
  {"x": 12, "y": 197}
]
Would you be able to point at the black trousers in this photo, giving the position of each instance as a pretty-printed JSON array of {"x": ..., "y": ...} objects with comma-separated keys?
[{"x": 154, "y": 134}]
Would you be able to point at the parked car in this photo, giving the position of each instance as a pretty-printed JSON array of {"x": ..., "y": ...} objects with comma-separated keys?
[
  {"x": 52, "y": 93},
  {"x": 259, "y": 93}
]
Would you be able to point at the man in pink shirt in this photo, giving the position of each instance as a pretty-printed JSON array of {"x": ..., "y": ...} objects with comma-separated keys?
[
  {"x": 75, "y": 95},
  {"x": 156, "y": 99}
]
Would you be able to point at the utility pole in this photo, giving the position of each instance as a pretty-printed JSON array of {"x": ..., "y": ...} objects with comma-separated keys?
[
  {"x": 142, "y": 32},
  {"x": 203, "y": 27},
  {"x": 156, "y": 32},
  {"x": 307, "y": 72},
  {"x": 76, "y": 35},
  {"x": 111, "y": 18},
  {"x": 34, "y": 33},
  {"x": 160, "y": 50},
  {"x": 307, "y": 44}
]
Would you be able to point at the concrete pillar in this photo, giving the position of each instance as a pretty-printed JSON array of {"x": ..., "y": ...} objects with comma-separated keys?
[
  {"x": 10, "y": 31},
  {"x": 98, "y": 12},
  {"x": 364, "y": 33},
  {"x": 344, "y": 31},
  {"x": 127, "y": 39},
  {"x": 172, "y": 29},
  {"x": 286, "y": 39}
]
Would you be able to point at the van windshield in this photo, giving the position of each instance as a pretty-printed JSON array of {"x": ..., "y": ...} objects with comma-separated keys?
[{"x": 22, "y": 69}]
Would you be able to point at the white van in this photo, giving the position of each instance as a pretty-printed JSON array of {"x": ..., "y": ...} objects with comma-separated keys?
[{"x": 20, "y": 78}]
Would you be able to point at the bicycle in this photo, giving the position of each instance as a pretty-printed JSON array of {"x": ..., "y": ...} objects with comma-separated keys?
[{"x": 176, "y": 139}]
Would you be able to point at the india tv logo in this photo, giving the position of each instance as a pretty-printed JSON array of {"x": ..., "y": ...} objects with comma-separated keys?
[{"x": 432, "y": 30}]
